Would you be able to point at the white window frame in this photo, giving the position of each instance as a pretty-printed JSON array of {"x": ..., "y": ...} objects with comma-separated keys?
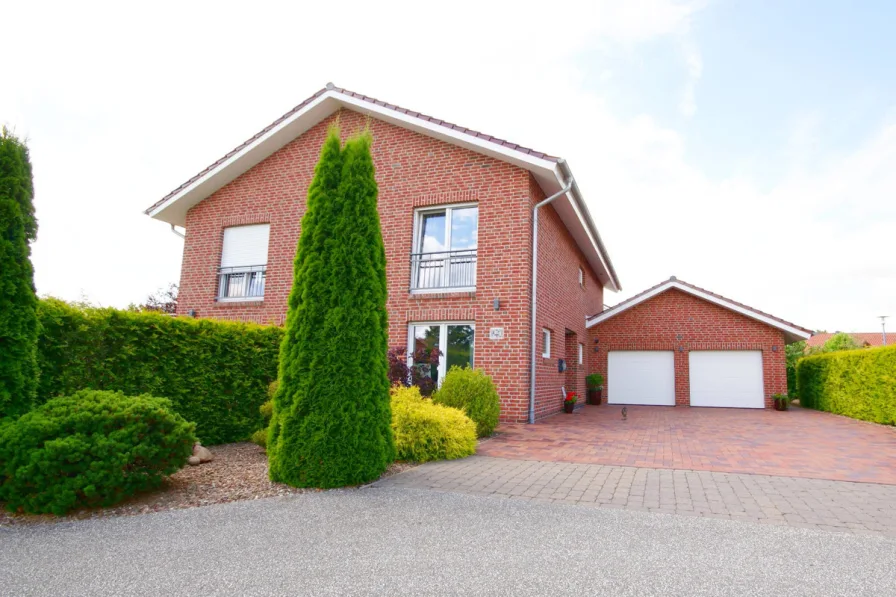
[
  {"x": 545, "y": 343},
  {"x": 443, "y": 333},
  {"x": 243, "y": 299},
  {"x": 581, "y": 277},
  {"x": 581, "y": 353},
  {"x": 416, "y": 241}
]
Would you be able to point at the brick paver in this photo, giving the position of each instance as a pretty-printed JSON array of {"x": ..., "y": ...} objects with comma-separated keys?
[
  {"x": 826, "y": 505},
  {"x": 796, "y": 443}
]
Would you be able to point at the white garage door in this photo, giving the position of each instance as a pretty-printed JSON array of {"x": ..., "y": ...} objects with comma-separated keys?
[
  {"x": 730, "y": 378},
  {"x": 641, "y": 377}
]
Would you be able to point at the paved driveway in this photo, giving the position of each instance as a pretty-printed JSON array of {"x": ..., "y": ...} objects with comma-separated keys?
[{"x": 797, "y": 443}]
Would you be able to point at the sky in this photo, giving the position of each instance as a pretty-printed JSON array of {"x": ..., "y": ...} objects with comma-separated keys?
[{"x": 748, "y": 147}]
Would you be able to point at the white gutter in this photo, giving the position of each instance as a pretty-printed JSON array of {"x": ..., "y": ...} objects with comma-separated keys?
[
  {"x": 534, "y": 301},
  {"x": 180, "y": 234}
]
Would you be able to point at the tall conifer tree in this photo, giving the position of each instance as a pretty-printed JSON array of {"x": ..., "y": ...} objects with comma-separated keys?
[
  {"x": 332, "y": 423},
  {"x": 18, "y": 303}
]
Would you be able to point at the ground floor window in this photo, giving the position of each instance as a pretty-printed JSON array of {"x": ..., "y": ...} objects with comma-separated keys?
[{"x": 454, "y": 340}]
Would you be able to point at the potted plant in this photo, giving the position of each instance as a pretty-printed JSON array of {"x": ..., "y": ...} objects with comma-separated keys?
[
  {"x": 782, "y": 401},
  {"x": 595, "y": 383},
  {"x": 569, "y": 403}
]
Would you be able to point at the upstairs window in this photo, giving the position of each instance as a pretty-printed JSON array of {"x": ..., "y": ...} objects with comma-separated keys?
[
  {"x": 444, "y": 252},
  {"x": 244, "y": 261},
  {"x": 581, "y": 277},
  {"x": 546, "y": 343}
]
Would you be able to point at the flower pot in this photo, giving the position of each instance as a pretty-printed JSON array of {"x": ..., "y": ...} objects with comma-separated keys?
[
  {"x": 593, "y": 396},
  {"x": 780, "y": 405},
  {"x": 568, "y": 407}
]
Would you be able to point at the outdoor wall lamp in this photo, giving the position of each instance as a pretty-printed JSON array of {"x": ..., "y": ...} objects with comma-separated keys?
[
  {"x": 774, "y": 348},
  {"x": 496, "y": 304}
]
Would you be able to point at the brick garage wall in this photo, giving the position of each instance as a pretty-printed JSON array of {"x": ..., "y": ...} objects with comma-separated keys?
[
  {"x": 563, "y": 305},
  {"x": 676, "y": 319},
  {"x": 412, "y": 170}
]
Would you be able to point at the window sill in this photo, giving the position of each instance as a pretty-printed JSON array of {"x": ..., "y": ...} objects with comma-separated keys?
[
  {"x": 457, "y": 290},
  {"x": 240, "y": 300}
]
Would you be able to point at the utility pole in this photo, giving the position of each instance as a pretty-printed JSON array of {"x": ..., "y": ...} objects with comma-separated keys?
[{"x": 883, "y": 327}]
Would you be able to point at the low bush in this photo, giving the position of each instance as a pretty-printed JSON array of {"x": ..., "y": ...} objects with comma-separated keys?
[
  {"x": 93, "y": 448},
  {"x": 473, "y": 392},
  {"x": 425, "y": 431},
  {"x": 215, "y": 373},
  {"x": 857, "y": 383},
  {"x": 419, "y": 374},
  {"x": 260, "y": 436}
]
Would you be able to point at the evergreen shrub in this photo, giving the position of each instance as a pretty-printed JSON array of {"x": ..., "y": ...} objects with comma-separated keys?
[
  {"x": 473, "y": 392},
  {"x": 18, "y": 303},
  {"x": 93, "y": 448},
  {"x": 332, "y": 423}
]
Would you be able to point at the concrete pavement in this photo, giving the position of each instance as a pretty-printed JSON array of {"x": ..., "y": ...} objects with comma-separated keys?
[{"x": 864, "y": 508}]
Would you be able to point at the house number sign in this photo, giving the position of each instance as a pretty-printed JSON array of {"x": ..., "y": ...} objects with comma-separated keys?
[{"x": 496, "y": 334}]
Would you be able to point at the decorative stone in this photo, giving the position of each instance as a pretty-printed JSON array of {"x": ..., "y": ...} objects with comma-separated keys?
[
  {"x": 204, "y": 454},
  {"x": 194, "y": 461}
]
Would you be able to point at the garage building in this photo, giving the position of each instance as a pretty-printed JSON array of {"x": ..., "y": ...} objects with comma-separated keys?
[{"x": 679, "y": 345}]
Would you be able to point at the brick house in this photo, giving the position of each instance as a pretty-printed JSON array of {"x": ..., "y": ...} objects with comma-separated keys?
[
  {"x": 457, "y": 210},
  {"x": 676, "y": 344},
  {"x": 462, "y": 213}
]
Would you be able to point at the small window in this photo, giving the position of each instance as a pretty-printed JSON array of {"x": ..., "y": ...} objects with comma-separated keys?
[
  {"x": 581, "y": 277},
  {"x": 546, "y": 343},
  {"x": 244, "y": 261},
  {"x": 581, "y": 352}
]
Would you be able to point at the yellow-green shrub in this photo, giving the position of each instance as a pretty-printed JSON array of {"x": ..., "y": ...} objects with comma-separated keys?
[
  {"x": 857, "y": 383},
  {"x": 425, "y": 431}
]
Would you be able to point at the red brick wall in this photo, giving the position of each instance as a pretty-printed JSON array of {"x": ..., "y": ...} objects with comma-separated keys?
[
  {"x": 674, "y": 320},
  {"x": 563, "y": 305},
  {"x": 413, "y": 170}
]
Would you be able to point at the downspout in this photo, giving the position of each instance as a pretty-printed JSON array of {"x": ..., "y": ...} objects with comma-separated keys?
[
  {"x": 180, "y": 234},
  {"x": 534, "y": 300}
]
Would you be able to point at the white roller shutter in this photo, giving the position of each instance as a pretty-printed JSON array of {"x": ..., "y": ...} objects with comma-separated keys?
[
  {"x": 641, "y": 377},
  {"x": 245, "y": 245},
  {"x": 731, "y": 378}
]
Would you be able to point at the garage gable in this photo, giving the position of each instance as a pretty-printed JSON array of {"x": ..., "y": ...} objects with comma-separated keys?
[{"x": 666, "y": 309}]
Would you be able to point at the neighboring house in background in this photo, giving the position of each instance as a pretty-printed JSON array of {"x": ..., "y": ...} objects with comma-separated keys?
[
  {"x": 863, "y": 339},
  {"x": 460, "y": 222},
  {"x": 456, "y": 207},
  {"x": 678, "y": 344}
]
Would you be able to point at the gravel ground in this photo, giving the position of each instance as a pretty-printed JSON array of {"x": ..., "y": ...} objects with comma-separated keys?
[
  {"x": 238, "y": 472},
  {"x": 390, "y": 541}
]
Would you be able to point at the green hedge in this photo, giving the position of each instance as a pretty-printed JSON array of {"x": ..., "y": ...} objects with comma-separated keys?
[
  {"x": 90, "y": 449},
  {"x": 857, "y": 383},
  {"x": 215, "y": 373}
]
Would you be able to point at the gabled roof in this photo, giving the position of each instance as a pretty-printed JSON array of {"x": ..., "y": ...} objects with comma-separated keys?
[
  {"x": 792, "y": 332},
  {"x": 861, "y": 338},
  {"x": 551, "y": 173}
]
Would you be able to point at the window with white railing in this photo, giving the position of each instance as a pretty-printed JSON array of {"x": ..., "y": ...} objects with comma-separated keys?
[
  {"x": 244, "y": 263},
  {"x": 444, "y": 252}
]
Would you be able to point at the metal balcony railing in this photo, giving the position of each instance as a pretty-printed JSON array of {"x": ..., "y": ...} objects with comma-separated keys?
[
  {"x": 244, "y": 282},
  {"x": 443, "y": 270}
]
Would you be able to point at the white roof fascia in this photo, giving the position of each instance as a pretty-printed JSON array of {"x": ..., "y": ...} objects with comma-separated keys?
[{"x": 496, "y": 150}]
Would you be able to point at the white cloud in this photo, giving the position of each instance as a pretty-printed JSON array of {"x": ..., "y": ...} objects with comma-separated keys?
[{"x": 122, "y": 104}]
